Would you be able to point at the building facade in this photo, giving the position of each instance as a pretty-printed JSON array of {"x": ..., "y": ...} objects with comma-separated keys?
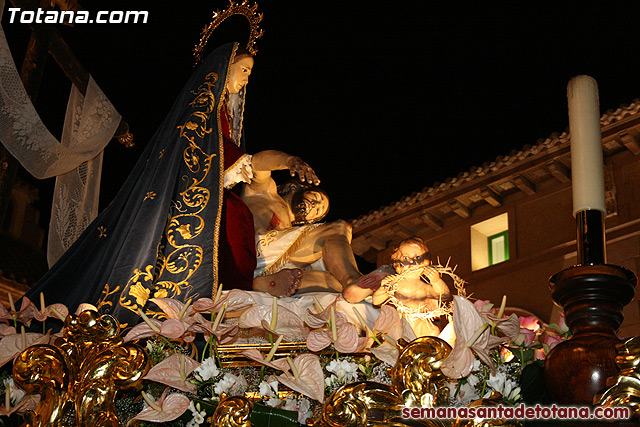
[{"x": 508, "y": 225}]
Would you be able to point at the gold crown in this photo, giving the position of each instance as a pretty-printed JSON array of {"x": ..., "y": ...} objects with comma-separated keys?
[{"x": 249, "y": 12}]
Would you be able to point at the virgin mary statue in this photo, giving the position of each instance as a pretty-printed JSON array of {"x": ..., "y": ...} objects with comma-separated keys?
[{"x": 166, "y": 230}]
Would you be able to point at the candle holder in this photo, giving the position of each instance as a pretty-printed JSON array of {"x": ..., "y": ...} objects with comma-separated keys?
[{"x": 592, "y": 295}]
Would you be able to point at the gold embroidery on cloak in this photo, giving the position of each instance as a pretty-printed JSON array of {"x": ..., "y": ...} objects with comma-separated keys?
[{"x": 184, "y": 257}]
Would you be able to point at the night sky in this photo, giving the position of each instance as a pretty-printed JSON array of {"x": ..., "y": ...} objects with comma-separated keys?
[{"x": 383, "y": 99}]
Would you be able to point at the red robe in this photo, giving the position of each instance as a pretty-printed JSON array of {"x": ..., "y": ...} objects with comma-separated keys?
[{"x": 237, "y": 249}]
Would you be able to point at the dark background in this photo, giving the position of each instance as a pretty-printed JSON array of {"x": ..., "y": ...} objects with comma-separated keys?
[{"x": 382, "y": 98}]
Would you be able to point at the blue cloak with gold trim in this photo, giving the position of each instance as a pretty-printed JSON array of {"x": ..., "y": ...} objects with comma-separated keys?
[{"x": 159, "y": 236}]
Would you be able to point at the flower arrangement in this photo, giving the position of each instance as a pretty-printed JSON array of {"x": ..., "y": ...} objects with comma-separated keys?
[
  {"x": 189, "y": 376},
  {"x": 492, "y": 349}
]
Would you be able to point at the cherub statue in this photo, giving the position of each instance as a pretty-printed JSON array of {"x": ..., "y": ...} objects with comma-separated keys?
[{"x": 416, "y": 292}]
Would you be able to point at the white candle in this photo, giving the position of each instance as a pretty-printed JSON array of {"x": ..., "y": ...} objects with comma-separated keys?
[{"x": 587, "y": 170}]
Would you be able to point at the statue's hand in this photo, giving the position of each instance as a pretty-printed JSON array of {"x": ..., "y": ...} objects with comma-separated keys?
[
  {"x": 247, "y": 174},
  {"x": 431, "y": 274},
  {"x": 298, "y": 166}
]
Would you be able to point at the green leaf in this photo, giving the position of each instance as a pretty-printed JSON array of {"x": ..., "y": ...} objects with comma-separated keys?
[
  {"x": 533, "y": 386},
  {"x": 265, "y": 416}
]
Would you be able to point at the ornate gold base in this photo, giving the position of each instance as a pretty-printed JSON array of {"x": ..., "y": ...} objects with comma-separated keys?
[
  {"x": 78, "y": 378},
  {"x": 624, "y": 388},
  {"x": 79, "y": 375}
]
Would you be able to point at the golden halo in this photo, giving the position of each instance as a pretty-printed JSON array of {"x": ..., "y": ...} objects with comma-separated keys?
[{"x": 244, "y": 9}]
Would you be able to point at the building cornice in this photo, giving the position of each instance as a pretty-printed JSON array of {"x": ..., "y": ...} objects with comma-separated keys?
[{"x": 491, "y": 183}]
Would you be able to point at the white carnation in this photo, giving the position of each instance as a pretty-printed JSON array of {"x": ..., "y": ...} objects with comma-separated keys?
[
  {"x": 504, "y": 385},
  {"x": 302, "y": 406},
  {"x": 207, "y": 369},
  {"x": 273, "y": 402},
  {"x": 330, "y": 380},
  {"x": 225, "y": 384},
  {"x": 267, "y": 390},
  {"x": 17, "y": 394},
  {"x": 198, "y": 415},
  {"x": 345, "y": 371}
]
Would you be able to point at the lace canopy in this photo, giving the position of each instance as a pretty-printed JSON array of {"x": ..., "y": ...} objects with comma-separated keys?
[{"x": 90, "y": 123}]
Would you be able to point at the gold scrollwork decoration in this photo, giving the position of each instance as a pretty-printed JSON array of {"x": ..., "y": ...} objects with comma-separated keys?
[
  {"x": 42, "y": 370},
  {"x": 204, "y": 94},
  {"x": 79, "y": 375},
  {"x": 416, "y": 375},
  {"x": 194, "y": 158},
  {"x": 185, "y": 258},
  {"x": 183, "y": 228},
  {"x": 169, "y": 289},
  {"x": 361, "y": 404},
  {"x": 179, "y": 254},
  {"x": 624, "y": 389},
  {"x": 138, "y": 289},
  {"x": 196, "y": 197},
  {"x": 233, "y": 411}
]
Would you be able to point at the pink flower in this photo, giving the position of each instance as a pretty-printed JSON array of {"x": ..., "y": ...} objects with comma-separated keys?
[
  {"x": 551, "y": 340},
  {"x": 58, "y": 311},
  {"x": 390, "y": 323},
  {"x": 255, "y": 354},
  {"x": 528, "y": 332},
  {"x": 29, "y": 402},
  {"x": 306, "y": 376},
  {"x": 7, "y": 330},
  {"x": 509, "y": 326},
  {"x": 182, "y": 322},
  {"x": 85, "y": 306},
  {"x": 529, "y": 322},
  {"x": 483, "y": 306},
  {"x": 561, "y": 327},
  {"x": 506, "y": 355},
  {"x": 12, "y": 345},
  {"x": 192, "y": 321},
  {"x": 165, "y": 409},
  {"x": 562, "y": 324},
  {"x": 171, "y": 328},
  {"x": 235, "y": 299},
  {"x": 343, "y": 335},
  {"x": 345, "y": 340},
  {"x": 320, "y": 319},
  {"x": 387, "y": 319},
  {"x": 24, "y": 315},
  {"x": 472, "y": 332},
  {"x": 525, "y": 338},
  {"x": 386, "y": 352},
  {"x": 173, "y": 371},
  {"x": 287, "y": 322}
]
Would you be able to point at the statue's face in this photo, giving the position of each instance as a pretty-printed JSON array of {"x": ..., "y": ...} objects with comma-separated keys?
[
  {"x": 408, "y": 255},
  {"x": 239, "y": 73},
  {"x": 309, "y": 206}
]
